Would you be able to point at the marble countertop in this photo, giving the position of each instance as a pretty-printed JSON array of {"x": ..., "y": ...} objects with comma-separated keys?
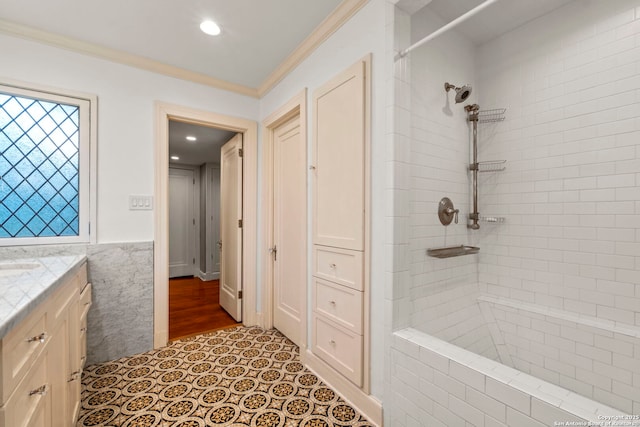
[{"x": 21, "y": 293}]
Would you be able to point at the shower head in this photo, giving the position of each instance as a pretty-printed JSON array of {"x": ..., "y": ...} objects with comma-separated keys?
[{"x": 462, "y": 93}]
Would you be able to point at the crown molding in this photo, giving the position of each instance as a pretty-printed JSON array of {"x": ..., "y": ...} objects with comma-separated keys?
[
  {"x": 330, "y": 25},
  {"x": 57, "y": 40},
  {"x": 327, "y": 27}
]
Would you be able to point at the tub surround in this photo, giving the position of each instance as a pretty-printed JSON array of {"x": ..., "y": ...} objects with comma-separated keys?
[
  {"x": 21, "y": 293},
  {"x": 556, "y": 284},
  {"x": 465, "y": 387}
]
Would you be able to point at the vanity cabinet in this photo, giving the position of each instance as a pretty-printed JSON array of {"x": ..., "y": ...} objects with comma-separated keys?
[
  {"x": 41, "y": 359},
  {"x": 340, "y": 292}
]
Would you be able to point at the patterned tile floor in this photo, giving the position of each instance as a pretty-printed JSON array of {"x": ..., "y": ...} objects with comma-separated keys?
[{"x": 233, "y": 377}]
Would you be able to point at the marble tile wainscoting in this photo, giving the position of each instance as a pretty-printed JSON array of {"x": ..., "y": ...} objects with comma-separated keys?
[{"x": 120, "y": 322}]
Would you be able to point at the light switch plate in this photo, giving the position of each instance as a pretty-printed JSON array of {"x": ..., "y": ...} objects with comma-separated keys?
[{"x": 140, "y": 203}]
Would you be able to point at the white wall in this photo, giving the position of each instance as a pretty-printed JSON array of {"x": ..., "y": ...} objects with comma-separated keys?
[
  {"x": 126, "y": 99},
  {"x": 363, "y": 34}
]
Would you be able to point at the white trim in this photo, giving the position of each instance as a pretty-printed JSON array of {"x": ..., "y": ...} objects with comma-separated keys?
[
  {"x": 341, "y": 14},
  {"x": 363, "y": 402},
  {"x": 296, "y": 106},
  {"x": 164, "y": 112},
  {"x": 88, "y": 162}
]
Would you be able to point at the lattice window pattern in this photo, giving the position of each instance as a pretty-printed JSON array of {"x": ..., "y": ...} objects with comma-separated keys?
[{"x": 39, "y": 167}]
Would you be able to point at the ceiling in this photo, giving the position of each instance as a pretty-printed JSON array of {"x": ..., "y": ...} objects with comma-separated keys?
[
  {"x": 206, "y": 148},
  {"x": 495, "y": 20},
  {"x": 257, "y": 35}
]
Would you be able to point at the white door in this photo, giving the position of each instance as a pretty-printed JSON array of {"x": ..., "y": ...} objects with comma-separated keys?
[
  {"x": 181, "y": 222},
  {"x": 230, "y": 227},
  {"x": 289, "y": 229}
]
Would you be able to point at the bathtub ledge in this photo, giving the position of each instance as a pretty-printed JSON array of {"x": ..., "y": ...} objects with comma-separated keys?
[{"x": 544, "y": 391}]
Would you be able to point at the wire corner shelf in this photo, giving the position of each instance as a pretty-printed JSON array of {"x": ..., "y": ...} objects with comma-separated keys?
[
  {"x": 491, "y": 116},
  {"x": 490, "y": 166},
  {"x": 493, "y": 219}
]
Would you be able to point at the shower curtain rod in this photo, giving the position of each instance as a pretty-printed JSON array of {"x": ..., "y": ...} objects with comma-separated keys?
[{"x": 445, "y": 28}]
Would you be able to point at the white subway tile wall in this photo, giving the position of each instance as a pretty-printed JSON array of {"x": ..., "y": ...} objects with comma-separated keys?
[
  {"x": 571, "y": 140},
  {"x": 572, "y": 351},
  {"x": 571, "y": 240}
]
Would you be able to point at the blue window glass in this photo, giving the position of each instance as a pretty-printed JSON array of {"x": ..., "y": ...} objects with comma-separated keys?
[{"x": 39, "y": 167}]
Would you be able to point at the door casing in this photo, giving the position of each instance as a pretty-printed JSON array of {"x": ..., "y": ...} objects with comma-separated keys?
[
  {"x": 296, "y": 105},
  {"x": 163, "y": 113}
]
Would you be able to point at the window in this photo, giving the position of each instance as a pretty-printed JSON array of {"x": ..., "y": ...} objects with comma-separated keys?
[{"x": 45, "y": 157}]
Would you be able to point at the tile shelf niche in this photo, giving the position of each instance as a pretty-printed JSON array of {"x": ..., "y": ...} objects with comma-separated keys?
[{"x": 452, "y": 251}]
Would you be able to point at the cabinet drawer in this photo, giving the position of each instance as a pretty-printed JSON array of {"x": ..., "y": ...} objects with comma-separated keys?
[
  {"x": 339, "y": 265},
  {"x": 85, "y": 301},
  {"x": 30, "y": 405},
  {"x": 341, "y": 304},
  {"x": 339, "y": 347},
  {"x": 20, "y": 348}
]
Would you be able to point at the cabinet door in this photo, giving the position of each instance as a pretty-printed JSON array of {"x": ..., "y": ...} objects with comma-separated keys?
[{"x": 339, "y": 153}]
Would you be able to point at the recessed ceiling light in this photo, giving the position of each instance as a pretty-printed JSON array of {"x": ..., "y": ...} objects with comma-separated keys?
[
  {"x": 191, "y": 138},
  {"x": 175, "y": 158},
  {"x": 210, "y": 27}
]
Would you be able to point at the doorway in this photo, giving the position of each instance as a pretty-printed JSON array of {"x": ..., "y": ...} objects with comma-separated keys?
[
  {"x": 285, "y": 213},
  {"x": 166, "y": 115},
  {"x": 198, "y": 299}
]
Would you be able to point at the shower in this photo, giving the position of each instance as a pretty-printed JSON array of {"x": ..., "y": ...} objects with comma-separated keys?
[{"x": 462, "y": 93}]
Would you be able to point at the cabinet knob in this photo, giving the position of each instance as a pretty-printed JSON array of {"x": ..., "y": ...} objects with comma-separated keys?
[
  {"x": 42, "y": 390},
  {"x": 83, "y": 329},
  {"x": 41, "y": 338},
  {"x": 332, "y": 342},
  {"x": 332, "y": 265},
  {"x": 312, "y": 168},
  {"x": 332, "y": 302}
]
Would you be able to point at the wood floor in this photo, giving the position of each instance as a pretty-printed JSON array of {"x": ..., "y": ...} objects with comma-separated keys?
[{"x": 194, "y": 307}]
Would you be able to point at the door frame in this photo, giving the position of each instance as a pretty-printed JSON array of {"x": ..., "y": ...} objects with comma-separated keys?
[
  {"x": 163, "y": 113},
  {"x": 295, "y": 106}
]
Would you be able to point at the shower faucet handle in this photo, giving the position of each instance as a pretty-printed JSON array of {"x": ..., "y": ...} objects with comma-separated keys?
[
  {"x": 447, "y": 212},
  {"x": 455, "y": 212}
]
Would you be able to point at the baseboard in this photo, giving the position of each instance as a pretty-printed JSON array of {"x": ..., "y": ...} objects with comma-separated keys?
[
  {"x": 205, "y": 277},
  {"x": 368, "y": 405}
]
